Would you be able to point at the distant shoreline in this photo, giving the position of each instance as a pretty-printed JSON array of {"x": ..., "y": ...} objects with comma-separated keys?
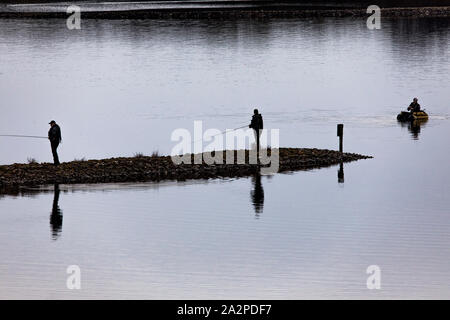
[{"x": 137, "y": 10}]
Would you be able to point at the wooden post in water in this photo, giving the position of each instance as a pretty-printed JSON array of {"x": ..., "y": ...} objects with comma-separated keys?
[{"x": 340, "y": 133}]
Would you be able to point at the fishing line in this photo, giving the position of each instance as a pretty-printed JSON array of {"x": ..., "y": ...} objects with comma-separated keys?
[
  {"x": 223, "y": 132},
  {"x": 22, "y": 136}
]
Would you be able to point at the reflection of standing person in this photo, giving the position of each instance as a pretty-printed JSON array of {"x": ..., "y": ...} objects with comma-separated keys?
[
  {"x": 257, "y": 126},
  {"x": 54, "y": 135},
  {"x": 257, "y": 194},
  {"x": 56, "y": 218}
]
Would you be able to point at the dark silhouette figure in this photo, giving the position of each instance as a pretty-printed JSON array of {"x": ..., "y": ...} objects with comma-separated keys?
[
  {"x": 414, "y": 106},
  {"x": 56, "y": 217},
  {"x": 257, "y": 194},
  {"x": 54, "y": 135},
  {"x": 257, "y": 125},
  {"x": 341, "y": 173}
]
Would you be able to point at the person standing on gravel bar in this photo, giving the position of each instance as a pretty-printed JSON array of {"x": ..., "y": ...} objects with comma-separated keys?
[
  {"x": 257, "y": 126},
  {"x": 54, "y": 135}
]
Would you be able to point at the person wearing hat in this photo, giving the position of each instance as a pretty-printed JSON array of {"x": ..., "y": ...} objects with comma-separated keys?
[{"x": 54, "y": 135}]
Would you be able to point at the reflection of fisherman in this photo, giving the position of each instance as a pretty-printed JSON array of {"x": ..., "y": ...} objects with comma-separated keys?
[
  {"x": 414, "y": 128},
  {"x": 56, "y": 218},
  {"x": 54, "y": 135},
  {"x": 257, "y": 194},
  {"x": 257, "y": 126},
  {"x": 414, "y": 106}
]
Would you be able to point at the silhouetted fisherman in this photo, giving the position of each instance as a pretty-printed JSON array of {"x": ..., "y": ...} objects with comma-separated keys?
[
  {"x": 414, "y": 106},
  {"x": 54, "y": 135},
  {"x": 56, "y": 218},
  {"x": 257, "y": 194},
  {"x": 257, "y": 125}
]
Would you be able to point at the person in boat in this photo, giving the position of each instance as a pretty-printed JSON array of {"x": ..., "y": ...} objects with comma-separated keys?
[
  {"x": 257, "y": 125},
  {"x": 54, "y": 135},
  {"x": 414, "y": 106}
]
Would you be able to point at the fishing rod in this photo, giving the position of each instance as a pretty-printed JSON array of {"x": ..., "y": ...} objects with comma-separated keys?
[
  {"x": 22, "y": 136},
  {"x": 223, "y": 132}
]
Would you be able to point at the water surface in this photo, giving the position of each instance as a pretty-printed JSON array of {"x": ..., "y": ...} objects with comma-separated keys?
[{"x": 120, "y": 87}]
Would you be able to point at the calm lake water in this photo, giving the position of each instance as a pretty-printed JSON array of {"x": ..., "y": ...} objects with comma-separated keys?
[{"x": 121, "y": 87}]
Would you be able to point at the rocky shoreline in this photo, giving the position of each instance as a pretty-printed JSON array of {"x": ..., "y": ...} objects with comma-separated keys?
[
  {"x": 157, "y": 168},
  {"x": 59, "y": 11}
]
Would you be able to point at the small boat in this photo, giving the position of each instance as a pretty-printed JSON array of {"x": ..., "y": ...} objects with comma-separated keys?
[{"x": 408, "y": 116}]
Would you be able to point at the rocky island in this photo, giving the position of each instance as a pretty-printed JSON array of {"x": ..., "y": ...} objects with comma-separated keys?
[{"x": 157, "y": 168}]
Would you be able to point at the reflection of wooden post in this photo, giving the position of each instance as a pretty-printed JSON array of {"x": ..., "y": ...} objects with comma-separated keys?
[
  {"x": 341, "y": 173},
  {"x": 340, "y": 133}
]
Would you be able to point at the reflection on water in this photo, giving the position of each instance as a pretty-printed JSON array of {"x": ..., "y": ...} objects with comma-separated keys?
[
  {"x": 257, "y": 194},
  {"x": 414, "y": 127},
  {"x": 200, "y": 239},
  {"x": 341, "y": 173},
  {"x": 56, "y": 217}
]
